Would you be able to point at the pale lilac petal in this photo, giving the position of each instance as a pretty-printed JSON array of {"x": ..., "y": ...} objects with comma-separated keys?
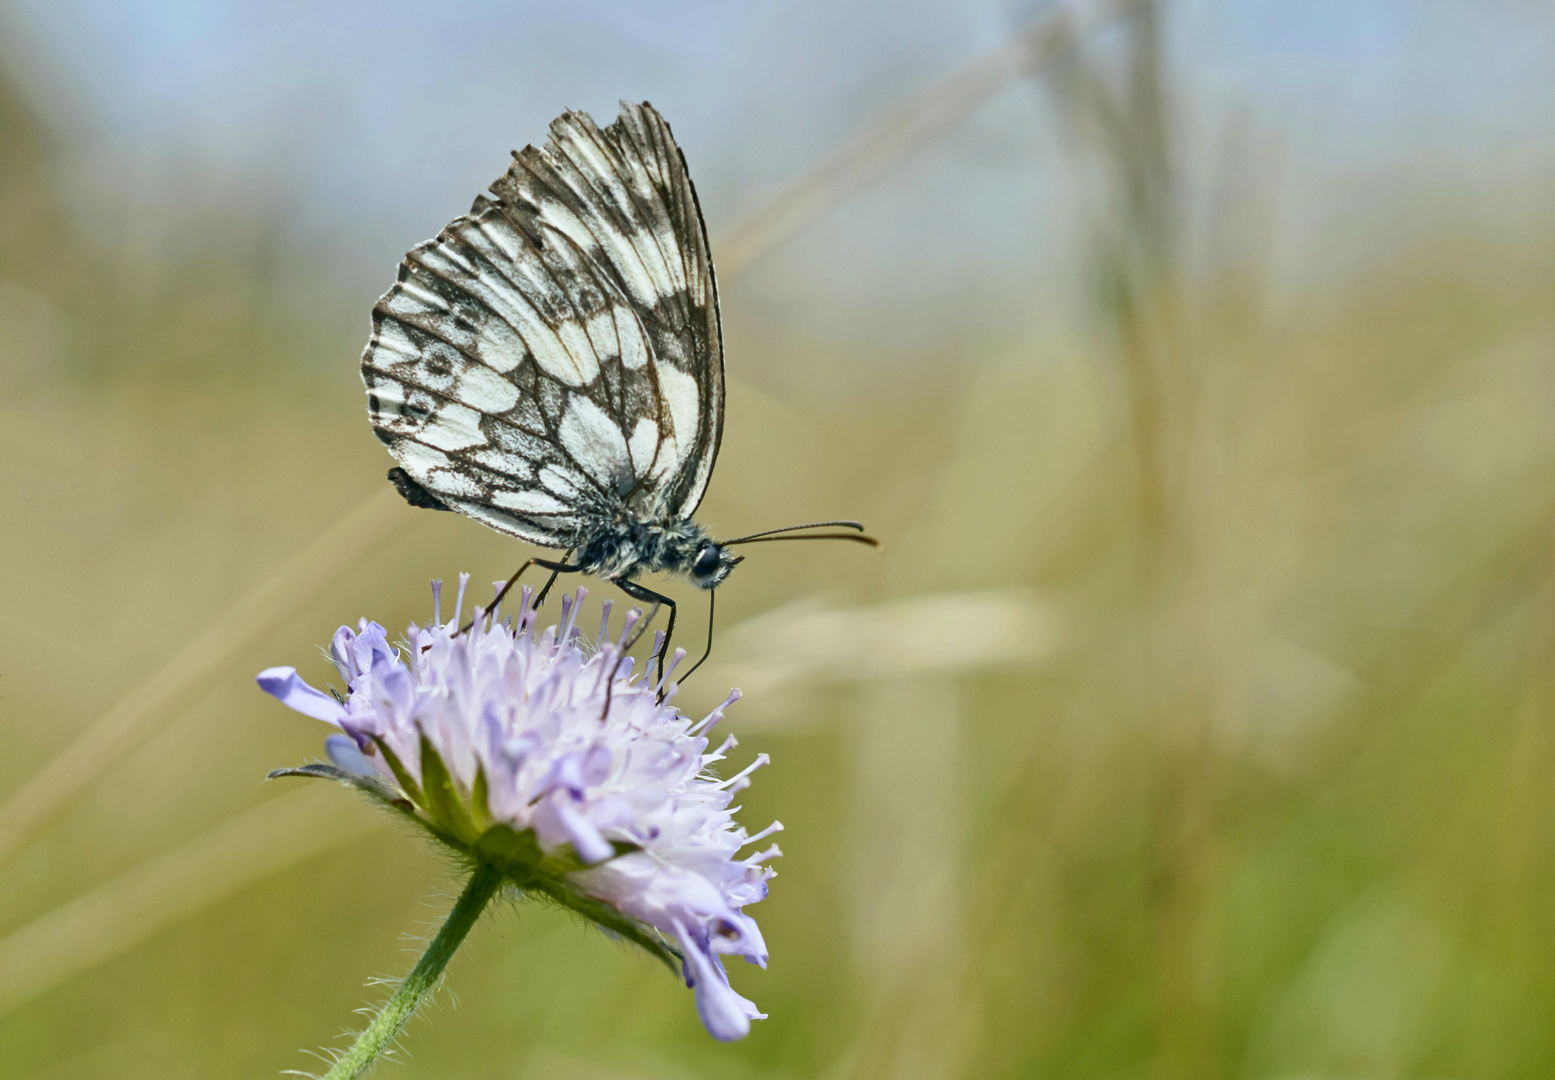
[
  {"x": 342, "y": 750},
  {"x": 394, "y": 691},
  {"x": 725, "y": 1014},
  {"x": 370, "y": 645},
  {"x": 287, "y": 687},
  {"x": 586, "y": 839},
  {"x": 340, "y": 652}
]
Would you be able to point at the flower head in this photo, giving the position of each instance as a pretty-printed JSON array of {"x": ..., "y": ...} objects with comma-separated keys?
[{"x": 536, "y": 753}]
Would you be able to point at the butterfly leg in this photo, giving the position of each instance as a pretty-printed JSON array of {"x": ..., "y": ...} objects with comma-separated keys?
[
  {"x": 546, "y": 588},
  {"x": 712, "y": 594},
  {"x": 647, "y": 595},
  {"x": 554, "y": 567}
]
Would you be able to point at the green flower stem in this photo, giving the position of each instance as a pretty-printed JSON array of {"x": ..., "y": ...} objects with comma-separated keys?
[{"x": 398, "y": 1010}]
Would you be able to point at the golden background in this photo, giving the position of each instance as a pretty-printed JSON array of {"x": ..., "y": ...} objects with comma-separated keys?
[{"x": 1197, "y": 719}]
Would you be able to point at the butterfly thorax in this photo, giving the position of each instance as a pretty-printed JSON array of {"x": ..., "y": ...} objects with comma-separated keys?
[{"x": 620, "y": 547}]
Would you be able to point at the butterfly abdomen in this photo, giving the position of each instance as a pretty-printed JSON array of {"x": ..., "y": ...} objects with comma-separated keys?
[{"x": 413, "y": 492}]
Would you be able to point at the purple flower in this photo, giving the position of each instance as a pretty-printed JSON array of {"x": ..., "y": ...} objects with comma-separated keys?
[{"x": 543, "y": 755}]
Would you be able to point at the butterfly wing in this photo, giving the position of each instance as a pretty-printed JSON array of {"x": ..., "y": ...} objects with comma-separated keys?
[{"x": 555, "y": 354}]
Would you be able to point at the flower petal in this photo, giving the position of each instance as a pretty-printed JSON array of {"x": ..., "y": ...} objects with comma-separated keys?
[
  {"x": 343, "y": 751},
  {"x": 287, "y": 687},
  {"x": 340, "y": 651},
  {"x": 587, "y": 842},
  {"x": 725, "y": 1014}
]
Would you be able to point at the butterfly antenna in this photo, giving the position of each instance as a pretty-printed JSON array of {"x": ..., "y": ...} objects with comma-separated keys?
[
  {"x": 855, "y": 537},
  {"x": 773, "y": 533}
]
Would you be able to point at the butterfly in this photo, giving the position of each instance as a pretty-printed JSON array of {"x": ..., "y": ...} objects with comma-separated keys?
[{"x": 551, "y": 364}]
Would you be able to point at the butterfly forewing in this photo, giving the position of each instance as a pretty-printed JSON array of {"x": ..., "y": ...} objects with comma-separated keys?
[{"x": 556, "y": 352}]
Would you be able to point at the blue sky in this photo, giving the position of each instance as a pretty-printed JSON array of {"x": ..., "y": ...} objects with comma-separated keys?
[{"x": 370, "y": 124}]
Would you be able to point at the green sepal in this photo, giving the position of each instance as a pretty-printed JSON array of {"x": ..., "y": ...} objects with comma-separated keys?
[
  {"x": 610, "y": 919},
  {"x": 375, "y": 786},
  {"x": 480, "y": 805},
  {"x": 314, "y": 769},
  {"x": 519, "y": 854},
  {"x": 564, "y": 860},
  {"x": 516, "y": 854},
  {"x": 519, "y": 857},
  {"x": 443, "y": 802},
  {"x": 401, "y": 774},
  {"x": 437, "y": 807}
]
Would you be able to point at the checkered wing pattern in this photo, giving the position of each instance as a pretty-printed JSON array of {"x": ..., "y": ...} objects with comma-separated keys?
[{"x": 554, "y": 356}]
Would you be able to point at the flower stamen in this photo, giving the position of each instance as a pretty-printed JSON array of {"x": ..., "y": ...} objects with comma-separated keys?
[
  {"x": 775, "y": 827},
  {"x": 761, "y": 759}
]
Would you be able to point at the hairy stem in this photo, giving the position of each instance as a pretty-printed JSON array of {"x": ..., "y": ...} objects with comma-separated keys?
[{"x": 397, "y": 1011}]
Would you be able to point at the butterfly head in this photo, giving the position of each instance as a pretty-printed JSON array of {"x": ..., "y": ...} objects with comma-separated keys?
[{"x": 712, "y": 564}]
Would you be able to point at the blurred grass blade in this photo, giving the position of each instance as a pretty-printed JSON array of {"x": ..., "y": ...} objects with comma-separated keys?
[
  {"x": 876, "y": 151},
  {"x": 195, "y": 669},
  {"x": 125, "y": 911},
  {"x": 808, "y": 644}
]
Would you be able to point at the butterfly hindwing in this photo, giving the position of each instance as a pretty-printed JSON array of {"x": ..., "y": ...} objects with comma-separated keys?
[{"x": 556, "y": 351}]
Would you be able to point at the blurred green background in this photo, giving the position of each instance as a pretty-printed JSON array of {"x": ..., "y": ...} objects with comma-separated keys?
[{"x": 1197, "y": 719}]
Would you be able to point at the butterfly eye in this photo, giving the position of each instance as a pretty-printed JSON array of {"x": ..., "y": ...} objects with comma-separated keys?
[{"x": 707, "y": 561}]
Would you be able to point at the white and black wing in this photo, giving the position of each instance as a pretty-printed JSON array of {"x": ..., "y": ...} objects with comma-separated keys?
[{"x": 555, "y": 354}]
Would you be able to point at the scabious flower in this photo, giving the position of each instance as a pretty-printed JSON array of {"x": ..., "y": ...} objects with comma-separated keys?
[{"x": 547, "y": 758}]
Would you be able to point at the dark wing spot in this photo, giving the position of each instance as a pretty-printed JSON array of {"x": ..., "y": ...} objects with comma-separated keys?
[
  {"x": 385, "y": 436},
  {"x": 413, "y": 492}
]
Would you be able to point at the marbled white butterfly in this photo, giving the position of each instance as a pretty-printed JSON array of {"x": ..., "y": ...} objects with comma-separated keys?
[{"x": 551, "y": 364}]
